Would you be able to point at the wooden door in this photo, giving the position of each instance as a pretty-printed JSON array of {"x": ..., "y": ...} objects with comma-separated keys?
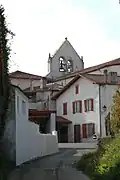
[
  {"x": 64, "y": 134},
  {"x": 77, "y": 135},
  {"x": 84, "y": 130}
]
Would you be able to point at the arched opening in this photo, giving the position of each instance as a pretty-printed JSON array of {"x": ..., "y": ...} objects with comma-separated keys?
[
  {"x": 69, "y": 66},
  {"x": 62, "y": 64}
]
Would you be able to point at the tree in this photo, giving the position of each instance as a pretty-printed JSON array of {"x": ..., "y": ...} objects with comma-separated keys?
[
  {"x": 4, "y": 83},
  {"x": 115, "y": 113},
  {"x": 4, "y": 77}
]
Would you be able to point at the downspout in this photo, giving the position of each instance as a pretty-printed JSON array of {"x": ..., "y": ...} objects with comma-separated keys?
[{"x": 100, "y": 110}]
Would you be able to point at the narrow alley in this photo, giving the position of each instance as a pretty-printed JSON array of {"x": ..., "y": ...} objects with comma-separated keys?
[{"x": 56, "y": 167}]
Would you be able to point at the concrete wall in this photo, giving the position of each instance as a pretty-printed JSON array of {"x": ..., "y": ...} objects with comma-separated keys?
[
  {"x": 109, "y": 69},
  {"x": 86, "y": 90},
  {"x": 66, "y": 51},
  {"x": 78, "y": 145},
  {"x": 29, "y": 142}
]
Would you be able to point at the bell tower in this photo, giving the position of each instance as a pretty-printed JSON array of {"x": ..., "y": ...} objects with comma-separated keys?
[{"x": 64, "y": 61}]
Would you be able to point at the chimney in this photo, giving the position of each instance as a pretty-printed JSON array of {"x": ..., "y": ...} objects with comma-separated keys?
[
  {"x": 31, "y": 85},
  {"x": 42, "y": 82},
  {"x": 81, "y": 58},
  {"x": 105, "y": 76},
  {"x": 113, "y": 77},
  {"x": 49, "y": 55}
]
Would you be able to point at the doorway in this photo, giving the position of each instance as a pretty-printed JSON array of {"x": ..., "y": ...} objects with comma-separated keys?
[
  {"x": 77, "y": 133},
  {"x": 62, "y": 133},
  {"x": 84, "y": 131}
]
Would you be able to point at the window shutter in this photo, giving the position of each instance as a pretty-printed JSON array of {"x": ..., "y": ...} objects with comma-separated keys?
[
  {"x": 64, "y": 108},
  {"x": 76, "y": 89},
  {"x": 85, "y": 105},
  {"x": 73, "y": 106},
  {"x": 80, "y": 106},
  {"x": 92, "y": 105}
]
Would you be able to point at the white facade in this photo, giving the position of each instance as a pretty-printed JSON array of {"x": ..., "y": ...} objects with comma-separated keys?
[
  {"x": 80, "y": 118},
  {"x": 87, "y": 90},
  {"x": 29, "y": 142}
]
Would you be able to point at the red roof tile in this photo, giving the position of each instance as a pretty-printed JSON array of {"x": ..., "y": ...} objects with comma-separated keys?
[
  {"x": 24, "y": 75},
  {"x": 95, "y": 78},
  {"x": 62, "y": 120}
]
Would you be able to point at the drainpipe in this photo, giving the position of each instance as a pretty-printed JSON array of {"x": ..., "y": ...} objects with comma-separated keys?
[{"x": 100, "y": 110}]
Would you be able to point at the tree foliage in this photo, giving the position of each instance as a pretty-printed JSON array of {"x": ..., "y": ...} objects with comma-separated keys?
[
  {"x": 4, "y": 60},
  {"x": 115, "y": 113}
]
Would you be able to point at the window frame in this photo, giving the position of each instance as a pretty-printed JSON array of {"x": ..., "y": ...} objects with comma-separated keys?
[
  {"x": 65, "y": 108},
  {"x": 77, "y": 106},
  {"x": 89, "y": 104},
  {"x": 77, "y": 89}
]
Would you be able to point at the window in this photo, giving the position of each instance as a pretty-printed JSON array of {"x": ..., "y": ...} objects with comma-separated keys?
[
  {"x": 18, "y": 104},
  {"x": 88, "y": 130},
  {"x": 62, "y": 64},
  {"x": 23, "y": 107},
  {"x": 69, "y": 66},
  {"x": 64, "y": 108},
  {"x": 76, "y": 89},
  {"x": 77, "y": 107},
  {"x": 91, "y": 129},
  {"x": 88, "y": 105}
]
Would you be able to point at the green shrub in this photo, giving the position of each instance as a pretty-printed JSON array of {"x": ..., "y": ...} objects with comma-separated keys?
[
  {"x": 110, "y": 158},
  {"x": 104, "y": 163}
]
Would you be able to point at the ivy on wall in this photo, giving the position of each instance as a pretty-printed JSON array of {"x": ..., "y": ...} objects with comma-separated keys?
[{"x": 4, "y": 61}]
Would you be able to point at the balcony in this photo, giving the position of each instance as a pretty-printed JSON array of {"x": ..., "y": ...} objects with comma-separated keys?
[{"x": 39, "y": 105}]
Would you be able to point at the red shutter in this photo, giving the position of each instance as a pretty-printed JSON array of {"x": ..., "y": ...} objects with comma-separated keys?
[
  {"x": 76, "y": 89},
  {"x": 73, "y": 106},
  {"x": 84, "y": 131},
  {"x": 64, "y": 108},
  {"x": 85, "y": 105},
  {"x": 92, "y": 105},
  {"x": 80, "y": 106}
]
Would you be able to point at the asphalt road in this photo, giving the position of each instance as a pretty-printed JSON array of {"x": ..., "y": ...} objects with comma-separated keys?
[{"x": 55, "y": 167}]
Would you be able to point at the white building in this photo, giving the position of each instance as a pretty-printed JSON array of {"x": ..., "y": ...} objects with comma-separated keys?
[
  {"x": 83, "y": 105},
  {"x": 23, "y": 138},
  {"x": 66, "y": 70}
]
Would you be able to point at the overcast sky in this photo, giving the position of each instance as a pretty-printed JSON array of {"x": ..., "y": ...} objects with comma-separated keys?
[{"x": 92, "y": 27}]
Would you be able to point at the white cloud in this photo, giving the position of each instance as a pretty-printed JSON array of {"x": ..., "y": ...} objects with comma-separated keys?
[{"x": 41, "y": 26}]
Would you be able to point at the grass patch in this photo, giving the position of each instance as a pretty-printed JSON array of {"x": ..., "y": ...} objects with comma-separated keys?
[{"x": 104, "y": 163}]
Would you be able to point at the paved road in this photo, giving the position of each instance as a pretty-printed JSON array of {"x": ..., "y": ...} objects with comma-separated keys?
[{"x": 44, "y": 169}]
